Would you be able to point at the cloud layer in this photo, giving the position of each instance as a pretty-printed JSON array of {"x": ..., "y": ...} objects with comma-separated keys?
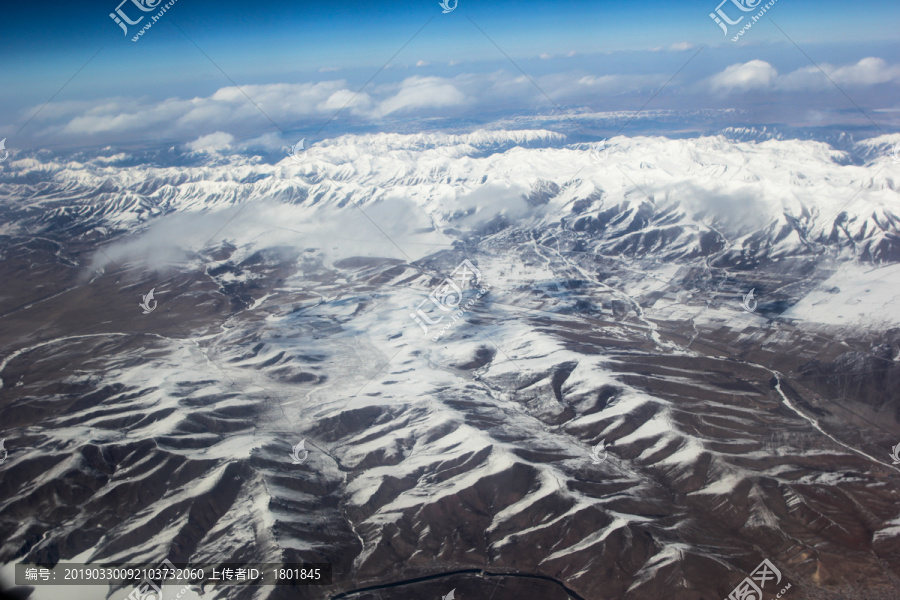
[
  {"x": 760, "y": 75},
  {"x": 232, "y": 116}
]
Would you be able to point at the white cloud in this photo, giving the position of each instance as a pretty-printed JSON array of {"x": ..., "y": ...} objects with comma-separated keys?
[
  {"x": 214, "y": 141},
  {"x": 681, "y": 47},
  {"x": 868, "y": 71},
  {"x": 616, "y": 83},
  {"x": 420, "y": 92},
  {"x": 742, "y": 77},
  {"x": 422, "y": 63},
  {"x": 344, "y": 98},
  {"x": 268, "y": 141},
  {"x": 296, "y": 105},
  {"x": 227, "y": 107},
  {"x": 760, "y": 75}
]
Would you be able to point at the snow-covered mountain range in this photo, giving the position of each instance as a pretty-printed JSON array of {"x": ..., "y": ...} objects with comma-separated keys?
[
  {"x": 645, "y": 196},
  {"x": 614, "y": 319}
]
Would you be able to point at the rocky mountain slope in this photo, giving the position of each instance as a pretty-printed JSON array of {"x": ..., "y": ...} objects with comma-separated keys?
[{"x": 605, "y": 314}]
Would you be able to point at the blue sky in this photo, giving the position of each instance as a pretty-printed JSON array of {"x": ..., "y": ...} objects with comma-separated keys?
[{"x": 300, "y": 61}]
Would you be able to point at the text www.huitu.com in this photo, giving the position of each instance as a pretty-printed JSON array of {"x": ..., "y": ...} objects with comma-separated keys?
[{"x": 153, "y": 20}]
